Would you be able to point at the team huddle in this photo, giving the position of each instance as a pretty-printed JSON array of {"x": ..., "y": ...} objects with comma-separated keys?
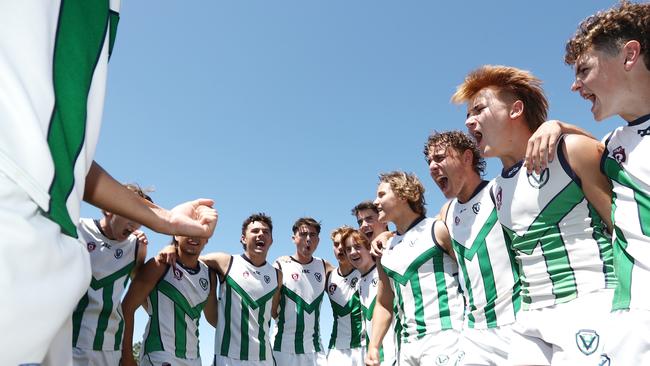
[{"x": 542, "y": 265}]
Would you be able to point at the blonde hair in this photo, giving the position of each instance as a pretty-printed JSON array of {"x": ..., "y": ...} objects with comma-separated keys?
[{"x": 406, "y": 186}]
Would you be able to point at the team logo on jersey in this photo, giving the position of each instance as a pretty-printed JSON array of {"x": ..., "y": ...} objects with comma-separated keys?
[
  {"x": 476, "y": 208},
  {"x": 204, "y": 283},
  {"x": 604, "y": 361},
  {"x": 118, "y": 253},
  {"x": 332, "y": 289},
  {"x": 644, "y": 132},
  {"x": 294, "y": 276},
  {"x": 499, "y": 198},
  {"x": 246, "y": 274},
  {"x": 318, "y": 276},
  {"x": 91, "y": 246},
  {"x": 442, "y": 360},
  {"x": 178, "y": 274},
  {"x": 538, "y": 180},
  {"x": 456, "y": 220},
  {"x": 619, "y": 155},
  {"x": 353, "y": 284},
  {"x": 374, "y": 282},
  {"x": 267, "y": 279},
  {"x": 587, "y": 341}
]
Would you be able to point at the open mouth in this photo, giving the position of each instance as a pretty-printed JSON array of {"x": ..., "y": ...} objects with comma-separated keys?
[
  {"x": 192, "y": 241},
  {"x": 478, "y": 137},
  {"x": 368, "y": 233},
  {"x": 590, "y": 97},
  {"x": 259, "y": 244},
  {"x": 354, "y": 258},
  {"x": 443, "y": 182}
]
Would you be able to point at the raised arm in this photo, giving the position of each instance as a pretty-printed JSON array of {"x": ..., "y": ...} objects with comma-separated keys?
[
  {"x": 141, "y": 256},
  {"x": 382, "y": 317},
  {"x": 218, "y": 262},
  {"x": 541, "y": 145}
]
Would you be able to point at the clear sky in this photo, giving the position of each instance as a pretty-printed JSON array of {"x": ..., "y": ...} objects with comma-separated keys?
[{"x": 294, "y": 107}]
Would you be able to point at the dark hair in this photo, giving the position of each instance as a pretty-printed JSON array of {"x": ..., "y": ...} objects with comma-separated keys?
[
  {"x": 365, "y": 205},
  {"x": 457, "y": 140},
  {"x": 308, "y": 221},
  {"x": 261, "y": 217}
]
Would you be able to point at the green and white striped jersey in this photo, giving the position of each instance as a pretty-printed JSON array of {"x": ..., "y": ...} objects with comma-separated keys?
[
  {"x": 489, "y": 275},
  {"x": 174, "y": 307},
  {"x": 244, "y": 311},
  {"x": 53, "y": 87},
  {"x": 297, "y": 328},
  {"x": 560, "y": 242},
  {"x": 347, "y": 328},
  {"x": 423, "y": 279},
  {"x": 368, "y": 294},
  {"x": 623, "y": 162},
  {"x": 97, "y": 322}
]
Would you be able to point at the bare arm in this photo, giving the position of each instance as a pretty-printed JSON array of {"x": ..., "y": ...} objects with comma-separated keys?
[
  {"x": 443, "y": 238},
  {"x": 541, "y": 145},
  {"x": 382, "y": 317},
  {"x": 379, "y": 243},
  {"x": 193, "y": 218},
  {"x": 218, "y": 262},
  {"x": 141, "y": 255},
  {"x": 584, "y": 154},
  {"x": 328, "y": 267},
  {"x": 275, "y": 303},
  {"x": 139, "y": 289},
  {"x": 210, "y": 309}
]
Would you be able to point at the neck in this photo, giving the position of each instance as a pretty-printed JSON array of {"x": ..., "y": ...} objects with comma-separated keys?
[
  {"x": 255, "y": 258},
  {"x": 636, "y": 100},
  {"x": 514, "y": 148},
  {"x": 303, "y": 258},
  {"x": 188, "y": 260},
  {"x": 405, "y": 220},
  {"x": 106, "y": 228},
  {"x": 345, "y": 268},
  {"x": 472, "y": 182},
  {"x": 365, "y": 268}
]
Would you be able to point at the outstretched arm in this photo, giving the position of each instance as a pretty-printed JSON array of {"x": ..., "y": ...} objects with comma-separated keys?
[
  {"x": 541, "y": 145},
  {"x": 218, "y": 262},
  {"x": 194, "y": 218},
  {"x": 382, "y": 317}
]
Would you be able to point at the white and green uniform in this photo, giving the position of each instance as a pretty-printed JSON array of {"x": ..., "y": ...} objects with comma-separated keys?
[
  {"x": 624, "y": 164},
  {"x": 244, "y": 311},
  {"x": 559, "y": 240},
  {"x": 422, "y": 277},
  {"x": 347, "y": 328},
  {"x": 368, "y": 294},
  {"x": 97, "y": 321},
  {"x": 297, "y": 327},
  {"x": 174, "y": 307},
  {"x": 489, "y": 275},
  {"x": 53, "y": 62}
]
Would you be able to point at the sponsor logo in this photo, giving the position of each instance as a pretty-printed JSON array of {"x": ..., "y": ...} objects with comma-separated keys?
[
  {"x": 442, "y": 360},
  {"x": 332, "y": 289},
  {"x": 587, "y": 341},
  {"x": 353, "y": 284},
  {"x": 267, "y": 279},
  {"x": 106, "y": 245},
  {"x": 538, "y": 180},
  {"x": 476, "y": 208},
  {"x": 412, "y": 243},
  {"x": 246, "y": 274},
  {"x": 644, "y": 132},
  {"x": 619, "y": 155},
  {"x": 499, "y": 198},
  {"x": 204, "y": 283},
  {"x": 318, "y": 277},
  {"x": 456, "y": 220},
  {"x": 91, "y": 246},
  {"x": 604, "y": 361},
  {"x": 294, "y": 276},
  {"x": 118, "y": 253},
  {"x": 513, "y": 170},
  {"x": 178, "y": 274},
  {"x": 374, "y": 282}
]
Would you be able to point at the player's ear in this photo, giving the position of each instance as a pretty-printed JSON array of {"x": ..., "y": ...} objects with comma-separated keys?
[
  {"x": 517, "y": 109},
  {"x": 468, "y": 156},
  {"x": 632, "y": 51}
]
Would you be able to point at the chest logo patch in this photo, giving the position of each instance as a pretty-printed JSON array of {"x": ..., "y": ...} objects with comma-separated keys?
[
  {"x": 267, "y": 279},
  {"x": 118, "y": 253},
  {"x": 538, "y": 180},
  {"x": 246, "y": 274},
  {"x": 91, "y": 246},
  {"x": 318, "y": 277},
  {"x": 294, "y": 276},
  {"x": 374, "y": 282},
  {"x": 204, "y": 283},
  {"x": 332, "y": 289},
  {"x": 499, "y": 198},
  {"x": 476, "y": 208},
  {"x": 587, "y": 341},
  {"x": 619, "y": 155},
  {"x": 456, "y": 220},
  {"x": 178, "y": 274},
  {"x": 353, "y": 284}
]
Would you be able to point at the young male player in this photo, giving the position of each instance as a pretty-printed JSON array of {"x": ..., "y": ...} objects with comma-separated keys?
[
  {"x": 116, "y": 254},
  {"x": 174, "y": 297},
  {"x": 368, "y": 220},
  {"x": 53, "y": 61},
  {"x": 248, "y": 296},
  {"x": 553, "y": 220},
  {"x": 297, "y": 331},
  {"x": 347, "y": 338},
  {"x": 611, "y": 54},
  {"x": 420, "y": 274}
]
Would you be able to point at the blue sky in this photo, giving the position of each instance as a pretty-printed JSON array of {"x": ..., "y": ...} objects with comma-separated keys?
[{"x": 294, "y": 107}]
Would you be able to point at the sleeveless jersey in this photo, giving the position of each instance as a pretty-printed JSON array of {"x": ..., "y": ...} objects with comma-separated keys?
[
  {"x": 560, "y": 242},
  {"x": 297, "y": 328},
  {"x": 368, "y": 294},
  {"x": 423, "y": 279},
  {"x": 174, "y": 307},
  {"x": 97, "y": 322},
  {"x": 53, "y": 86},
  {"x": 489, "y": 275},
  {"x": 627, "y": 148},
  {"x": 244, "y": 311},
  {"x": 347, "y": 328}
]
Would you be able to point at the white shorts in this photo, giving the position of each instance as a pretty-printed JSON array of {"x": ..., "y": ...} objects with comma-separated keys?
[
  {"x": 628, "y": 340},
  {"x": 345, "y": 357},
  {"x": 569, "y": 334},
  {"x": 227, "y": 361},
  {"x": 436, "y": 349},
  {"x": 86, "y": 357},
  {"x": 484, "y": 346},
  {"x": 43, "y": 274},
  {"x": 305, "y": 359},
  {"x": 162, "y": 358}
]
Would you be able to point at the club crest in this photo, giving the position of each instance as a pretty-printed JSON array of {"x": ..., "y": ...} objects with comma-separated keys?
[
  {"x": 332, "y": 289},
  {"x": 91, "y": 246},
  {"x": 538, "y": 180},
  {"x": 353, "y": 284},
  {"x": 587, "y": 341},
  {"x": 204, "y": 283},
  {"x": 476, "y": 208},
  {"x": 118, "y": 253},
  {"x": 246, "y": 274},
  {"x": 619, "y": 155},
  {"x": 267, "y": 279},
  {"x": 499, "y": 198},
  {"x": 294, "y": 276},
  {"x": 374, "y": 282},
  {"x": 178, "y": 274},
  {"x": 442, "y": 360},
  {"x": 318, "y": 277},
  {"x": 456, "y": 220},
  {"x": 604, "y": 361}
]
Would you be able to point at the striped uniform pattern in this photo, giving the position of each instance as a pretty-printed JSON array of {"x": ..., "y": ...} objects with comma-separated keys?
[
  {"x": 560, "y": 242},
  {"x": 53, "y": 95},
  {"x": 423, "y": 278},
  {"x": 489, "y": 275},
  {"x": 623, "y": 163},
  {"x": 368, "y": 294},
  {"x": 347, "y": 328},
  {"x": 297, "y": 328},
  {"x": 174, "y": 307},
  {"x": 244, "y": 311},
  {"x": 97, "y": 322}
]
